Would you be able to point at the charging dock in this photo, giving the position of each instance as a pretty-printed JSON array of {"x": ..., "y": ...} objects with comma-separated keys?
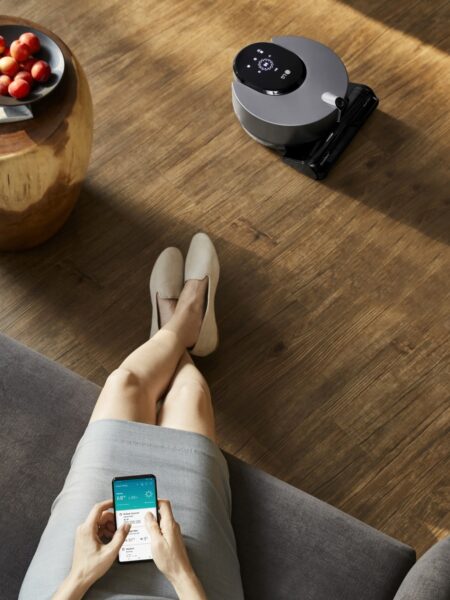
[{"x": 317, "y": 158}]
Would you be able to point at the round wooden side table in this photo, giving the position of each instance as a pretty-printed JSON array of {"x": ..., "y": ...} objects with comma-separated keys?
[{"x": 43, "y": 160}]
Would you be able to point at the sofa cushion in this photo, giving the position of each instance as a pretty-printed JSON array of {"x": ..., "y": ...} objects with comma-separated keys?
[
  {"x": 290, "y": 544},
  {"x": 429, "y": 579}
]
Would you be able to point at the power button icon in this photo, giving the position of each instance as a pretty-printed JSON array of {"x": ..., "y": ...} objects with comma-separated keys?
[{"x": 265, "y": 64}]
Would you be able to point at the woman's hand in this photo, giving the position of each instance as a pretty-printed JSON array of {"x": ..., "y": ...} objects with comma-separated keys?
[
  {"x": 170, "y": 554},
  {"x": 91, "y": 557}
]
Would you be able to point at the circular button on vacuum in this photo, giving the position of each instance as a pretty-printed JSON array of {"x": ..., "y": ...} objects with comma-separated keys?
[
  {"x": 273, "y": 69},
  {"x": 265, "y": 64}
]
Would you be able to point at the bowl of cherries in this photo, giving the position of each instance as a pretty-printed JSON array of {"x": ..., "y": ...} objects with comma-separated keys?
[{"x": 31, "y": 65}]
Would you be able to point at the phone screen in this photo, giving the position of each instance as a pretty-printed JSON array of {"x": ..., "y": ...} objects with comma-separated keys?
[{"x": 133, "y": 497}]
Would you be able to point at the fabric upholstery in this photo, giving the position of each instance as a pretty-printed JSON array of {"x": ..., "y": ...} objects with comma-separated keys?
[
  {"x": 290, "y": 545},
  {"x": 44, "y": 409},
  {"x": 429, "y": 579}
]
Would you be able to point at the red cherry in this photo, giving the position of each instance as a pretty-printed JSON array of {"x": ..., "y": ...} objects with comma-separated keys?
[
  {"x": 19, "y": 88},
  {"x": 20, "y": 51},
  {"x": 25, "y": 75},
  {"x": 31, "y": 40},
  {"x": 2, "y": 44},
  {"x": 8, "y": 66},
  {"x": 40, "y": 71}
]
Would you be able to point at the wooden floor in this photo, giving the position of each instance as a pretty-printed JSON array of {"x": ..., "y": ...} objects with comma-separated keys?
[{"x": 334, "y": 301}]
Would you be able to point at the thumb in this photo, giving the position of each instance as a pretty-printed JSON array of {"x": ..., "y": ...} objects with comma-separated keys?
[
  {"x": 119, "y": 538},
  {"x": 152, "y": 526}
]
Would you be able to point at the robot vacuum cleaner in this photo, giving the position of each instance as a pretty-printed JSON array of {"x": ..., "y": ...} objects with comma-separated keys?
[{"x": 293, "y": 95}]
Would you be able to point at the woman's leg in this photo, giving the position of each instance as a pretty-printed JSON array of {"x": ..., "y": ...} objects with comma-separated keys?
[
  {"x": 133, "y": 389},
  {"x": 188, "y": 403}
]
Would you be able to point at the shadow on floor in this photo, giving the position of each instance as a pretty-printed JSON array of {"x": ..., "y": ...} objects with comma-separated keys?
[
  {"x": 403, "y": 177},
  {"x": 93, "y": 276},
  {"x": 425, "y": 21}
]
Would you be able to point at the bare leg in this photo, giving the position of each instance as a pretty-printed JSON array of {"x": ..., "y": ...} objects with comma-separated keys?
[
  {"x": 188, "y": 403},
  {"x": 132, "y": 390}
]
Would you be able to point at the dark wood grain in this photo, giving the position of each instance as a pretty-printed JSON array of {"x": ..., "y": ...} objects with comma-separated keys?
[{"x": 332, "y": 371}]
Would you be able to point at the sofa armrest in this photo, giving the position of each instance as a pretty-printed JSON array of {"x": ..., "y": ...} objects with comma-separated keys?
[
  {"x": 292, "y": 545},
  {"x": 429, "y": 579}
]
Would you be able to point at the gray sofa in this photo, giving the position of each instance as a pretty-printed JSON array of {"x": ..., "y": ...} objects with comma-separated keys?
[{"x": 290, "y": 544}]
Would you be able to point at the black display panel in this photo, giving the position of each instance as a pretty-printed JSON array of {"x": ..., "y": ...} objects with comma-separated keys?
[{"x": 269, "y": 68}]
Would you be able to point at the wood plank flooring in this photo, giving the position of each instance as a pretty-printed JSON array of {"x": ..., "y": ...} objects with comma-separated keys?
[{"x": 333, "y": 369}]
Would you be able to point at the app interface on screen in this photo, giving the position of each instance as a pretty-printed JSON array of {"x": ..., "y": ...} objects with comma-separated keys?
[{"x": 133, "y": 499}]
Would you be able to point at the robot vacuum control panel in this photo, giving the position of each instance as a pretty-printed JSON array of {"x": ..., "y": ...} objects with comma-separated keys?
[{"x": 269, "y": 68}]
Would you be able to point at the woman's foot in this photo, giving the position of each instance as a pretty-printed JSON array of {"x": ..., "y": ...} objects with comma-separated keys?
[
  {"x": 187, "y": 311},
  {"x": 166, "y": 309},
  {"x": 185, "y": 316},
  {"x": 166, "y": 282},
  {"x": 202, "y": 264}
]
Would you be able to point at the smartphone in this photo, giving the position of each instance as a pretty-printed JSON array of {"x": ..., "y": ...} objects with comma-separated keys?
[{"x": 133, "y": 497}]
